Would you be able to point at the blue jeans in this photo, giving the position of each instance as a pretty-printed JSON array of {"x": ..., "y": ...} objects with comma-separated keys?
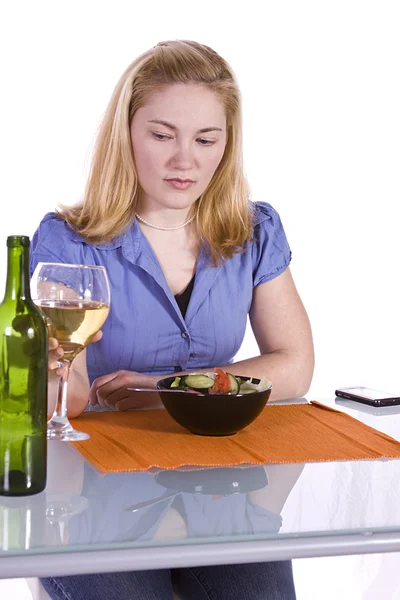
[{"x": 255, "y": 581}]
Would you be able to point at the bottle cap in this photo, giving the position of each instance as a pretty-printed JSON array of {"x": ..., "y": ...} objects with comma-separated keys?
[{"x": 17, "y": 240}]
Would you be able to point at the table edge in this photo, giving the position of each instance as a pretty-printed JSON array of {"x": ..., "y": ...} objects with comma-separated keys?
[{"x": 176, "y": 556}]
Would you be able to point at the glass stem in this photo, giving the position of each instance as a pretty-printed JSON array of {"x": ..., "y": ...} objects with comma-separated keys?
[
  {"x": 60, "y": 411},
  {"x": 59, "y": 427}
]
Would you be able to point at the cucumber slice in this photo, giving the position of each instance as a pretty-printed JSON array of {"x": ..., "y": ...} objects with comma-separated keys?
[
  {"x": 176, "y": 382},
  {"x": 198, "y": 382},
  {"x": 233, "y": 384}
]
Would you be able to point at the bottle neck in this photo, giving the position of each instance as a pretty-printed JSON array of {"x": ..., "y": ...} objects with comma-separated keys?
[{"x": 17, "y": 284}]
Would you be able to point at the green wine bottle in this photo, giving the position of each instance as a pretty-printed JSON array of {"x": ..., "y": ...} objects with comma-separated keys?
[{"x": 23, "y": 380}]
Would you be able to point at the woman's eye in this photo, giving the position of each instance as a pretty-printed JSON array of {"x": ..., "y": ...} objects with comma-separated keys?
[
  {"x": 161, "y": 137},
  {"x": 204, "y": 142}
]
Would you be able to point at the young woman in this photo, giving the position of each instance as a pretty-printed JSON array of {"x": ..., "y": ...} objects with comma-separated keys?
[{"x": 189, "y": 257}]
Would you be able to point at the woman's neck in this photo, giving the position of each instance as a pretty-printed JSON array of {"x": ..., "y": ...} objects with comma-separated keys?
[
  {"x": 154, "y": 215},
  {"x": 165, "y": 227}
]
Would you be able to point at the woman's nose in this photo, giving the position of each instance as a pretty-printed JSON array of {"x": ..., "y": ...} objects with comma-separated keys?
[{"x": 183, "y": 157}]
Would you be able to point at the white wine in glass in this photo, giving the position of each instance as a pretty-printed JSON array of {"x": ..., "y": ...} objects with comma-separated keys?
[{"x": 75, "y": 300}]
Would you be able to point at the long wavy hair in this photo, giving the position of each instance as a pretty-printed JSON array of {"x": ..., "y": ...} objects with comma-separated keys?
[{"x": 223, "y": 211}]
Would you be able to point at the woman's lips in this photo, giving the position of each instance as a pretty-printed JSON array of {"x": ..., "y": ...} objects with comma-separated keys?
[{"x": 179, "y": 185}]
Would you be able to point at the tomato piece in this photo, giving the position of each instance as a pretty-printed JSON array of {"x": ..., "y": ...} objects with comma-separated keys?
[{"x": 221, "y": 382}]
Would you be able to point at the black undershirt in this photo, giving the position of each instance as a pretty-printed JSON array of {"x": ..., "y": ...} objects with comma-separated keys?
[{"x": 183, "y": 298}]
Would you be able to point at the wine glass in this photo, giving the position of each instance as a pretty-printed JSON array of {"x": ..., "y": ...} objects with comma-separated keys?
[{"x": 75, "y": 300}]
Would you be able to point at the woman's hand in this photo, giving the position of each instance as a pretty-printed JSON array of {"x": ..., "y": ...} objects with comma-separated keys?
[
  {"x": 56, "y": 353},
  {"x": 78, "y": 385},
  {"x": 111, "y": 391}
]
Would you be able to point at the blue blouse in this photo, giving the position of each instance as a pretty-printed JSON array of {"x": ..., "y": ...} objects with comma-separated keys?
[{"x": 145, "y": 330}]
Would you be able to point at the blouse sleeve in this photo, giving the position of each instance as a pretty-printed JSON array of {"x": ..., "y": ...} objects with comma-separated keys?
[{"x": 271, "y": 251}]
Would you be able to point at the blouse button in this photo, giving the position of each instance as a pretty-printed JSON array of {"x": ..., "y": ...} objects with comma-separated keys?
[{"x": 185, "y": 335}]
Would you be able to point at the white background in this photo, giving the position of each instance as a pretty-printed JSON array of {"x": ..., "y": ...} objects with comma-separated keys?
[{"x": 321, "y": 96}]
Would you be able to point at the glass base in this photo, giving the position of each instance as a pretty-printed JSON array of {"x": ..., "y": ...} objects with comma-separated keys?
[{"x": 65, "y": 432}]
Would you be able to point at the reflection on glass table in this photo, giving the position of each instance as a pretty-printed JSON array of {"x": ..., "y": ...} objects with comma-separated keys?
[
  {"x": 378, "y": 411},
  {"x": 185, "y": 503},
  {"x": 37, "y": 521},
  {"x": 222, "y": 481},
  {"x": 59, "y": 510},
  {"x": 22, "y": 522}
]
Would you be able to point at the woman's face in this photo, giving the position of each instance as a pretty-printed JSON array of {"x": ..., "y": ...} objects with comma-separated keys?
[{"x": 178, "y": 140}]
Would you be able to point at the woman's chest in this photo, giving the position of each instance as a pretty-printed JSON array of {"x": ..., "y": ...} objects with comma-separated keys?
[
  {"x": 177, "y": 260},
  {"x": 178, "y": 269},
  {"x": 145, "y": 330}
]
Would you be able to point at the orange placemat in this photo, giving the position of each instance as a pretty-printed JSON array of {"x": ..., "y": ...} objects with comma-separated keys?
[{"x": 139, "y": 440}]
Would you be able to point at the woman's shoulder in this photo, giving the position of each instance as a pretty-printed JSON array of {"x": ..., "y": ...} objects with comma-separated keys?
[
  {"x": 267, "y": 222},
  {"x": 53, "y": 227},
  {"x": 270, "y": 250},
  {"x": 263, "y": 211},
  {"x": 54, "y": 241}
]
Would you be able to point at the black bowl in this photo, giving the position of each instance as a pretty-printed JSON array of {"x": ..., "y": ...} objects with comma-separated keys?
[{"x": 212, "y": 414}]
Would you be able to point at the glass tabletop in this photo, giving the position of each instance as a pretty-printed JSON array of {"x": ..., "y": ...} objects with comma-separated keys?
[{"x": 271, "y": 511}]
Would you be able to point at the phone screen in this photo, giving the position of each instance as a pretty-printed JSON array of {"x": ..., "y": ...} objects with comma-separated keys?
[{"x": 368, "y": 393}]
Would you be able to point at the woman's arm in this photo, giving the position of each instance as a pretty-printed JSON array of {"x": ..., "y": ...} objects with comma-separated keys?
[
  {"x": 283, "y": 333},
  {"x": 106, "y": 390}
]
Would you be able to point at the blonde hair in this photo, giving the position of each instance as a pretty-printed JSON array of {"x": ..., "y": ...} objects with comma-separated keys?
[{"x": 223, "y": 214}]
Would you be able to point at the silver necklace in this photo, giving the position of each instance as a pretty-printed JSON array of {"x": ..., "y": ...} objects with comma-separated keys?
[{"x": 161, "y": 226}]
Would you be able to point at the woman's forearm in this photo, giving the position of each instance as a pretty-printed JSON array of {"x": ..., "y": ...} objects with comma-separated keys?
[{"x": 289, "y": 373}]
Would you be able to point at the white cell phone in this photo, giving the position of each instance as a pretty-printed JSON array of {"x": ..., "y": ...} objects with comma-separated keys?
[{"x": 367, "y": 396}]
